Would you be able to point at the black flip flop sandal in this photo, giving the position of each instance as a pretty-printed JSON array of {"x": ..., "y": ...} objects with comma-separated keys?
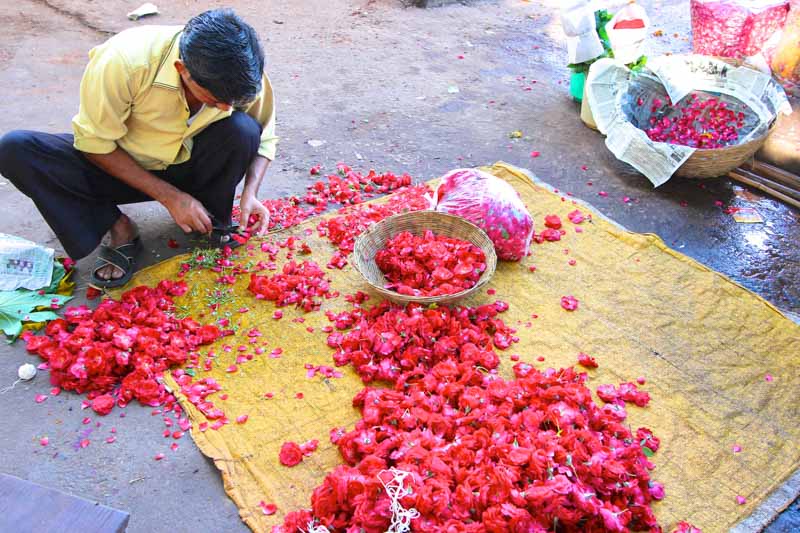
[{"x": 122, "y": 257}]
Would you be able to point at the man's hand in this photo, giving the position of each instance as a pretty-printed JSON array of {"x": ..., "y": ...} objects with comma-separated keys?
[
  {"x": 250, "y": 206},
  {"x": 188, "y": 212},
  {"x": 184, "y": 208}
]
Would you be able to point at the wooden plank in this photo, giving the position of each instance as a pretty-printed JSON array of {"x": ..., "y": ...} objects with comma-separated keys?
[{"x": 26, "y": 507}]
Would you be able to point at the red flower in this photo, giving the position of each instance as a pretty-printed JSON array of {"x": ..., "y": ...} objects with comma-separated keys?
[
  {"x": 586, "y": 360},
  {"x": 570, "y": 303},
  {"x": 268, "y": 509},
  {"x": 551, "y": 235},
  {"x": 686, "y": 527},
  {"x": 576, "y": 217},
  {"x": 103, "y": 404},
  {"x": 552, "y": 221},
  {"x": 290, "y": 454},
  {"x": 93, "y": 293},
  {"x": 129, "y": 342},
  {"x": 430, "y": 264}
]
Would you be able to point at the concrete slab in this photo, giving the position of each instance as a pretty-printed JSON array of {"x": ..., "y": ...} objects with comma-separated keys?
[{"x": 377, "y": 75}]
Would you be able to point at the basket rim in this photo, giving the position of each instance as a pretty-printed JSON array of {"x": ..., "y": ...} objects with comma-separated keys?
[{"x": 491, "y": 259}]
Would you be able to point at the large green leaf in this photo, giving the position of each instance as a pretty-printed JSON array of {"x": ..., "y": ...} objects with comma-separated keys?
[{"x": 20, "y": 306}]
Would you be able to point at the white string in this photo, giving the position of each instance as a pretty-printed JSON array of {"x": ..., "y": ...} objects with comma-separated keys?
[
  {"x": 395, "y": 489},
  {"x": 315, "y": 529},
  {"x": 5, "y": 390}
]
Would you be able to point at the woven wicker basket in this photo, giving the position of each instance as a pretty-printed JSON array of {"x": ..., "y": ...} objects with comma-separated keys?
[
  {"x": 374, "y": 239},
  {"x": 720, "y": 161}
]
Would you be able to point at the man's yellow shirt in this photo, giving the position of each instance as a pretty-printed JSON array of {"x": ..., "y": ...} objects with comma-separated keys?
[{"x": 132, "y": 97}]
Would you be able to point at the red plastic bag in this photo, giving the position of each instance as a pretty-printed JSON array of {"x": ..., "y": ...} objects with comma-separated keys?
[
  {"x": 735, "y": 28},
  {"x": 491, "y": 204}
]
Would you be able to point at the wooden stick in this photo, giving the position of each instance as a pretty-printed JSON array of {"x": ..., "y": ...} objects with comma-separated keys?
[
  {"x": 788, "y": 191},
  {"x": 774, "y": 173},
  {"x": 760, "y": 186}
]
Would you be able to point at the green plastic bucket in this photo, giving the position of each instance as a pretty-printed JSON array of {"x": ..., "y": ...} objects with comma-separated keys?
[{"x": 576, "y": 83}]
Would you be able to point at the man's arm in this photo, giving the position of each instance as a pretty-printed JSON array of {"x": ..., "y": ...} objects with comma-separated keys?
[
  {"x": 249, "y": 204},
  {"x": 188, "y": 212}
]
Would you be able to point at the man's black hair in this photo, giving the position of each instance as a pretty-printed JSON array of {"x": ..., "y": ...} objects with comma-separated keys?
[{"x": 223, "y": 55}]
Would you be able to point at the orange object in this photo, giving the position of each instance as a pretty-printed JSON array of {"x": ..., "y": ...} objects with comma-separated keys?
[{"x": 786, "y": 60}]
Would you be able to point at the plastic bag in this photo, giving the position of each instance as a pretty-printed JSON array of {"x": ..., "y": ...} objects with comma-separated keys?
[
  {"x": 578, "y": 21},
  {"x": 627, "y": 32},
  {"x": 786, "y": 58},
  {"x": 491, "y": 204},
  {"x": 735, "y": 28}
]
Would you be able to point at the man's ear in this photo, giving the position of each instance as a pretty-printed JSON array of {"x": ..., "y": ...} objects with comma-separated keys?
[{"x": 180, "y": 67}]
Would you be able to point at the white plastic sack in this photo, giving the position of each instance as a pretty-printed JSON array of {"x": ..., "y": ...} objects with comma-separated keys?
[
  {"x": 578, "y": 21},
  {"x": 628, "y": 44}
]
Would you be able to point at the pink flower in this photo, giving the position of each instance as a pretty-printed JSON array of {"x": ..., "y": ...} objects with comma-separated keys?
[{"x": 570, "y": 303}]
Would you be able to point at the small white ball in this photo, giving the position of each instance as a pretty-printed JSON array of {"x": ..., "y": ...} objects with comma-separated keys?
[{"x": 26, "y": 372}]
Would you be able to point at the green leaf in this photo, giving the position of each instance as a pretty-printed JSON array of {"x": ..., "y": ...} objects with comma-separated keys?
[
  {"x": 639, "y": 65},
  {"x": 15, "y": 306},
  {"x": 12, "y": 328},
  {"x": 40, "y": 316},
  {"x": 648, "y": 452},
  {"x": 58, "y": 275}
]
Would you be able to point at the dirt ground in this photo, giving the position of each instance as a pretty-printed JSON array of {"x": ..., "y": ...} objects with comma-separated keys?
[{"x": 373, "y": 80}]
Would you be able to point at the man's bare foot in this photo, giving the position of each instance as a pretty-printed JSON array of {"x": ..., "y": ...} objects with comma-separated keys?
[{"x": 122, "y": 232}]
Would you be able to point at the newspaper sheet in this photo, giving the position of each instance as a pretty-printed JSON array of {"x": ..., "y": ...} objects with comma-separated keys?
[{"x": 24, "y": 264}]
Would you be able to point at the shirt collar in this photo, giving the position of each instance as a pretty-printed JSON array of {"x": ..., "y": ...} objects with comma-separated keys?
[{"x": 167, "y": 75}]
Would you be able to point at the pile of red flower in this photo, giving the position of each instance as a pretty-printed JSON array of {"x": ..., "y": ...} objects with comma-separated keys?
[
  {"x": 395, "y": 344},
  {"x": 300, "y": 284},
  {"x": 430, "y": 265},
  {"x": 351, "y": 221},
  {"x": 283, "y": 212},
  {"x": 483, "y": 454},
  {"x": 346, "y": 187},
  {"x": 129, "y": 343},
  {"x": 699, "y": 123},
  {"x": 351, "y": 187}
]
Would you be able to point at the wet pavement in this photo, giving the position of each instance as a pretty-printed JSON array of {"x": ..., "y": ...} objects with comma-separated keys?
[{"x": 380, "y": 77}]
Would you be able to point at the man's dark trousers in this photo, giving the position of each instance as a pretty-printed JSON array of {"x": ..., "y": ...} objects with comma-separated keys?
[{"x": 79, "y": 201}]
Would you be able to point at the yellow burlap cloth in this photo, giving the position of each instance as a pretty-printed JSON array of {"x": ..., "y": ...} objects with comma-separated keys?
[{"x": 703, "y": 343}]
